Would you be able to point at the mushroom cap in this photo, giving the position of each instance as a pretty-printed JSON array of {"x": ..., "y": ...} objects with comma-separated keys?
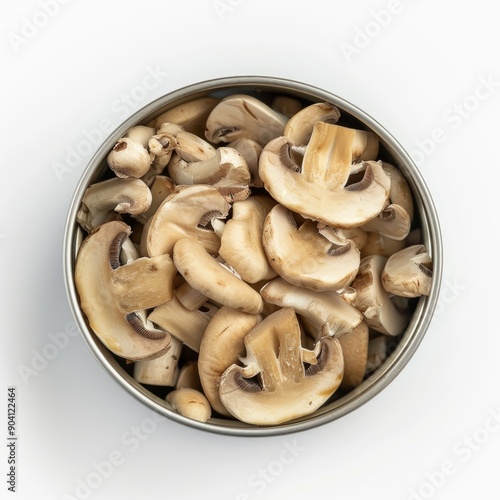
[
  {"x": 408, "y": 273},
  {"x": 181, "y": 215},
  {"x": 319, "y": 189},
  {"x": 109, "y": 293},
  {"x": 206, "y": 275},
  {"x": 241, "y": 241},
  {"x": 285, "y": 389},
  {"x": 308, "y": 257},
  {"x": 379, "y": 311},
  {"x": 327, "y": 312},
  {"x": 221, "y": 346},
  {"x": 129, "y": 158},
  {"x": 240, "y": 115}
]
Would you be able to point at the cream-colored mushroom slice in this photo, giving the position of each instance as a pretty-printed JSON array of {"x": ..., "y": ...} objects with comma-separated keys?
[
  {"x": 355, "y": 351},
  {"x": 408, "y": 273},
  {"x": 326, "y": 312},
  {"x": 184, "y": 324},
  {"x": 129, "y": 158},
  {"x": 103, "y": 201},
  {"x": 192, "y": 148},
  {"x": 274, "y": 385},
  {"x": 395, "y": 220},
  {"x": 221, "y": 346},
  {"x": 286, "y": 105},
  {"x": 110, "y": 294},
  {"x": 240, "y": 115},
  {"x": 141, "y": 134},
  {"x": 204, "y": 273},
  {"x": 379, "y": 312},
  {"x": 161, "y": 147},
  {"x": 308, "y": 257},
  {"x": 189, "y": 376},
  {"x": 250, "y": 150},
  {"x": 241, "y": 242},
  {"x": 189, "y": 297},
  {"x": 161, "y": 187},
  {"x": 227, "y": 171},
  {"x": 184, "y": 213},
  {"x": 190, "y": 403},
  {"x": 377, "y": 244},
  {"x": 357, "y": 235},
  {"x": 320, "y": 188},
  {"x": 191, "y": 115},
  {"x": 300, "y": 126},
  {"x": 162, "y": 371}
]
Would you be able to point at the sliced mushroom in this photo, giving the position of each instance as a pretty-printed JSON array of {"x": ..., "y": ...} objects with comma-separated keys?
[
  {"x": 190, "y": 115},
  {"x": 184, "y": 324},
  {"x": 161, "y": 187},
  {"x": 308, "y": 257},
  {"x": 239, "y": 115},
  {"x": 189, "y": 377},
  {"x": 191, "y": 147},
  {"x": 319, "y": 189},
  {"x": 129, "y": 158},
  {"x": 110, "y": 294},
  {"x": 221, "y": 346},
  {"x": 373, "y": 301},
  {"x": 355, "y": 351},
  {"x": 161, "y": 147},
  {"x": 377, "y": 244},
  {"x": 103, "y": 200},
  {"x": 190, "y": 403},
  {"x": 275, "y": 386},
  {"x": 189, "y": 297},
  {"x": 226, "y": 170},
  {"x": 162, "y": 371},
  {"x": 205, "y": 274},
  {"x": 395, "y": 220},
  {"x": 286, "y": 105},
  {"x": 241, "y": 242},
  {"x": 300, "y": 126},
  {"x": 408, "y": 273},
  {"x": 184, "y": 213},
  {"x": 250, "y": 150},
  {"x": 326, "y": 312}
]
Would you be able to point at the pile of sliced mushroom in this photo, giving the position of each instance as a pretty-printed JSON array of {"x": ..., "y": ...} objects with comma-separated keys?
[{"x": 254, "y": 258}]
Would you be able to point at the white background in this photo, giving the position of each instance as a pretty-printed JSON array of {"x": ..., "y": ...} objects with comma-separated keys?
[{"x": 427, "y": 69}]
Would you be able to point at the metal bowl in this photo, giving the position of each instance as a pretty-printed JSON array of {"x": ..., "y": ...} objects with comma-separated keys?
[{"x": 391, "y": 151}]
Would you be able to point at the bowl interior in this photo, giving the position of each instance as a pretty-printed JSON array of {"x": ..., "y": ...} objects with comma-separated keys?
[{"x": 265, "y": 88}]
